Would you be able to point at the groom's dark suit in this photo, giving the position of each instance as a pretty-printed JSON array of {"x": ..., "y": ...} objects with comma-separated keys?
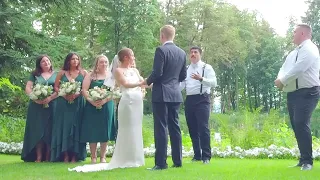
[{"x": 169, "y": 69}]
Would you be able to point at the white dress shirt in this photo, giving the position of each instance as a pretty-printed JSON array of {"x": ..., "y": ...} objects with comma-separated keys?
[
  {"x": 193, "y": 86},
  {"x": 306, "y": 68},
  {"x": 167, "y": 42}
]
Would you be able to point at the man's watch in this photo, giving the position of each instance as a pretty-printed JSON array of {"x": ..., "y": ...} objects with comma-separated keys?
[{"x": 201, "y": 79}]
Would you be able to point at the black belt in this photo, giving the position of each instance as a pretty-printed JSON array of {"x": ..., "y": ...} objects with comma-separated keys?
[{"x": 199, "y": 94}]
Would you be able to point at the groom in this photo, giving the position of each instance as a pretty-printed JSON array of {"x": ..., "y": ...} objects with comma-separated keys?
[{"x": 169, "y": 69}]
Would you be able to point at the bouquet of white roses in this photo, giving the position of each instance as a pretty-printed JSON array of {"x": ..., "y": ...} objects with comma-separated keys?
[
  {"x": 69, "y": 88},
  {"x": 116, "y": 93},
  {"x": 41, "y": 92},
  {"x": 98, "y": 93}
]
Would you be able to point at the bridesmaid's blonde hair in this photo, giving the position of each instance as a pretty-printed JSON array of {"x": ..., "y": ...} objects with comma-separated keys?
[{"x": 96, "y": 62}]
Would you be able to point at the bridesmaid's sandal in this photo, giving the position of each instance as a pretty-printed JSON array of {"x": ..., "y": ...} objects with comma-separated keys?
[
  {"x": 103, "y": 160},
  {"x": 93, "y": 160}
]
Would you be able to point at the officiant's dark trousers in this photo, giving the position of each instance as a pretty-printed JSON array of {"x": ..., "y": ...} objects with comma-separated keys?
[
  {"x": 301, "y": 104},
  {"x": 197, "y": 112},
  {"x": 166, "y": 117}
]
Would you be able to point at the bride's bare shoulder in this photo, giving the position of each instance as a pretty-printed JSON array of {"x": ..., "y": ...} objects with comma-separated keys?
[{"x": 118, "y": 70}]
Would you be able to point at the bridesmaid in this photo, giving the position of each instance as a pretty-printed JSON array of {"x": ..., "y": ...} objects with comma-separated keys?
[
  {"x": 37, "y": 137},
  {"x": 98, "y": 124},
  {"x": 66, "y": 145}
]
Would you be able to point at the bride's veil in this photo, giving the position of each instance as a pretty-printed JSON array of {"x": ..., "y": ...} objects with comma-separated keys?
[{"x": 110, "y": 82}]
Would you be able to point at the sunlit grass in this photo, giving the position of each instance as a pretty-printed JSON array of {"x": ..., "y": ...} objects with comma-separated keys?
[{"x": 11, "y": 167}]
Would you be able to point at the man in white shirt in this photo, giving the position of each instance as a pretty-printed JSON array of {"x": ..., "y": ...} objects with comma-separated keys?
[
  {"x": 200, "y": 79},
  {"x": 299, "y": 77}
]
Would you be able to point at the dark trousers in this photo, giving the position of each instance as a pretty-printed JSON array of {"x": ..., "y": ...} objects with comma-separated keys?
[
  {"x": 197, "y": 112},
  {"x": 301, "y": 104},
  {"x": 166, "y": 117}
]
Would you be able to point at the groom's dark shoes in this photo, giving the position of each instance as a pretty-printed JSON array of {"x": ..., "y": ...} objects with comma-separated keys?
[
  {"x": 195, "y": 160},
  {"x": 176, "y": 166},
  {"x": 158, "y": 168}
]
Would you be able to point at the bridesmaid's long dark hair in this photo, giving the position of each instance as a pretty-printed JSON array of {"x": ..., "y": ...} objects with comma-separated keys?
[
  {"x": 66, "y": 65},
  {"x": 38, "y": 70}
]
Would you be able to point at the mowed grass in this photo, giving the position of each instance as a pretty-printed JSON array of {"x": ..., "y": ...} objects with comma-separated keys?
[{"x": 11, "y": 167}]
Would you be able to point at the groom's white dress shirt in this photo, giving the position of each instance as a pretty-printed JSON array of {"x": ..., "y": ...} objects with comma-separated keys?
[
  {"x": 302, "y": 63},
  {"x": 167, "y": 42},
  {"x": 193, "y": 86}
]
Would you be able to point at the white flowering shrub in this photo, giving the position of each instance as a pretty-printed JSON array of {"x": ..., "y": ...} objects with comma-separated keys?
[{"x": 271, "y": 152}]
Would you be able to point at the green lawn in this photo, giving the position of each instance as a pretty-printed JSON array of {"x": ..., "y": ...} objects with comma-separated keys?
[{"x": 12, "y": 168}]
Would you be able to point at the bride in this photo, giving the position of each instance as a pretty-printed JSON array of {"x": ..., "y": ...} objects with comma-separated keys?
[{"x": 128, "y": 150}]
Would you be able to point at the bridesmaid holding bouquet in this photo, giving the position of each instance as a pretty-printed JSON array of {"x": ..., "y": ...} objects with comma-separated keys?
[
  {"x": 67, "y": 120},
  {"x": 37, "y": 137},
  {"x": 98, "y": 118}
]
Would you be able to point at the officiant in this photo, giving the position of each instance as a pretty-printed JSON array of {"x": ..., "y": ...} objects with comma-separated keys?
[{"x": 200, "y": 79}]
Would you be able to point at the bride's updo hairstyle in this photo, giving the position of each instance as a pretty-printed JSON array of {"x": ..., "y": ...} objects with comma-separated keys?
[{"x": 123, "y": 53}]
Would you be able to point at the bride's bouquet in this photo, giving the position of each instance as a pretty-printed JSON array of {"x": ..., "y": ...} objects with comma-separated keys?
[
  {"x": 98, "y": 93},
  {"x": 41, "y": 92},
  {"x": 116, "y": 93},
  {"x": 69, "y": 88}
]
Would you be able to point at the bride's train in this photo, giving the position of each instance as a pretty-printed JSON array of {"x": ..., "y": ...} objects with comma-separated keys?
[{"x": 100, "y": 167}]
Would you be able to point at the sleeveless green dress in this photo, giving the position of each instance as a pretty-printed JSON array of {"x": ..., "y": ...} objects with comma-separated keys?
[
  {"x": 38, "y": 123},
  {"x": 66, "y": 128},
  {"x": 98, "y": 124}
]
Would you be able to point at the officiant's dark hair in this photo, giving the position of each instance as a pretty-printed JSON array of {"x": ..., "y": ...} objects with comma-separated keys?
[
  {"x": 196, "y": 48},
  {"x": 124, "y": 52}
]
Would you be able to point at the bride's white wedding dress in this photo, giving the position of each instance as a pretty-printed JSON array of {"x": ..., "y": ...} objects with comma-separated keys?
[{"x": 128, "y": 150}]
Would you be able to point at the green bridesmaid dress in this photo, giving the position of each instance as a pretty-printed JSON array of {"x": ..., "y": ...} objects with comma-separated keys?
[
  {"x": 38, "y": 123},
  {"x": 66, "y": 128},
  {"x": 98, "y": 124}
]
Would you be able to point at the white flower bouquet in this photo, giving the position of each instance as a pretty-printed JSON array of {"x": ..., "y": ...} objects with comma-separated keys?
[
  {"x": 69, "y": 88},
  {"x": 41, "y": 92},
  {"x": 98, "y": 93},
  {"x": 116, "y": 93}
]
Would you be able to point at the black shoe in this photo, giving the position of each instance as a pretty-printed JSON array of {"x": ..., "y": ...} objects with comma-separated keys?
[
  {"x": 158, "y": 168},
  {"x": 207, "y": 161},
  {"x": 306, "y": 167},
  {"x": 176, "y": 166},
  {"x": 297, "y": 165},
  {"x": 195, "y": 160}
]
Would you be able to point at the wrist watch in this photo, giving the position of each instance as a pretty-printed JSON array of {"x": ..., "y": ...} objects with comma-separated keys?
[{"x": 201, "y": 79}]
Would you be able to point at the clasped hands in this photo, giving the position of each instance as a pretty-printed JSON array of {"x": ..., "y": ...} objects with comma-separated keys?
[
  {"x": 99, "y": 103},
  {"x": 44, "y": 101},
  {"x": 278, "y": 84},
  {"x": 144, "y": 84},
  {"x": 71, "y": 97}
]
